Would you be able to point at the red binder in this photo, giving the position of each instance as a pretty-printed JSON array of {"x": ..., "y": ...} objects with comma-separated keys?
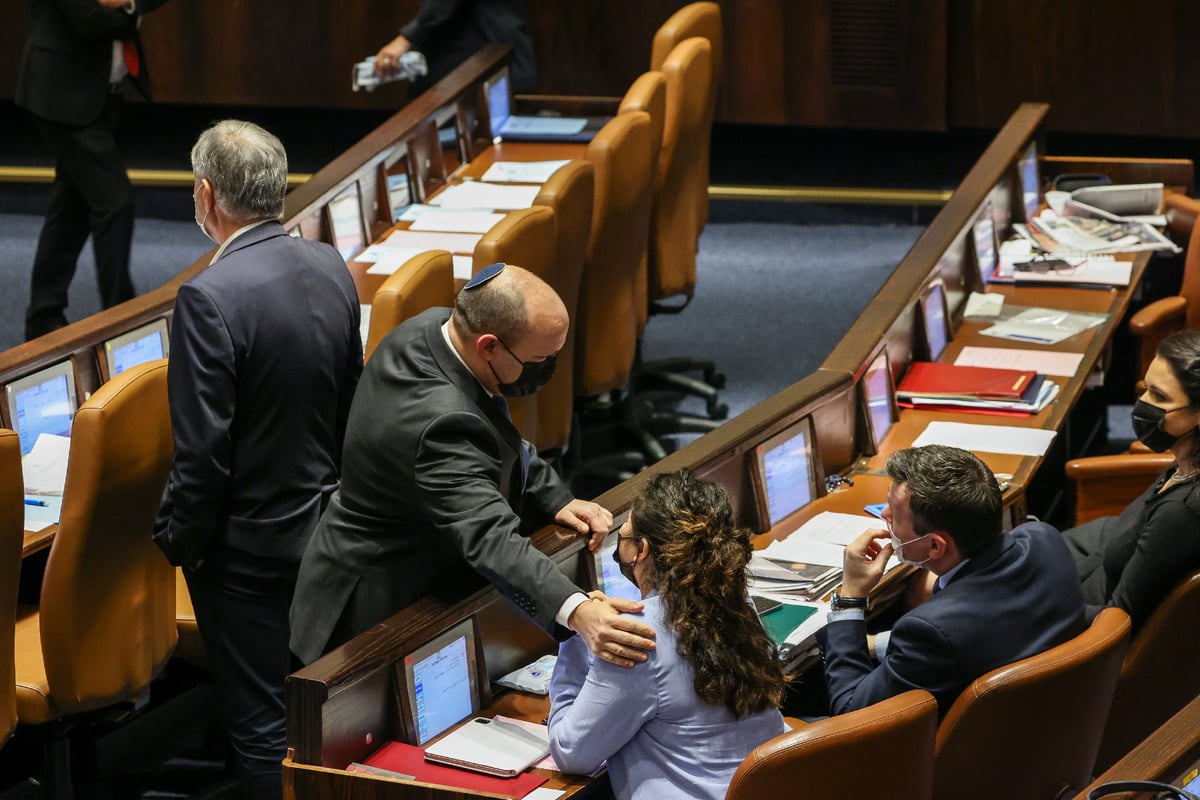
[
  {"x": 925, "y": 379},
  {"x": 409, "y": 760}
]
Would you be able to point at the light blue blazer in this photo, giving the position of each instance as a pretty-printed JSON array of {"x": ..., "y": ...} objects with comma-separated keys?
[{"x": 660, "y": 739}]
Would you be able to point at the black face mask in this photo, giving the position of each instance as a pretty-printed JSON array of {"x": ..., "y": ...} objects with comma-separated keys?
[
  {"x": 1148, "y": 422},
  {"x": 534, "y": 375},
  {"x": 625, "y": 567}
]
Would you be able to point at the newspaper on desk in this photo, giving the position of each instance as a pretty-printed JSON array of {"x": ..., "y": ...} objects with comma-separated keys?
[{"x": 1094, "y": 235}]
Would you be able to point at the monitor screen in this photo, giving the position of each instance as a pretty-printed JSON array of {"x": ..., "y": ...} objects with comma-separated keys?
[
  {"x": 1030, "y": 181},
  {"x": 608, "y": 574},
  {"x": 937, "y": 328},
  {"x": 440, "y": 682},
  {"x": 147, "y": 343},
  {"x": 986, "y": 252},
  {"x": 498, "y": 103},
  {"x": 879, "y": 397},
  {"x": 345, "y": 221},
  {"x": 784, "y": 472},
  {"x": 43, "y": 402}
]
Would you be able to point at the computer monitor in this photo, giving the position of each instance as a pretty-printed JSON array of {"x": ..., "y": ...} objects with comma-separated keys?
[
  {"x": 879, "y": 398},
  {"x": 147, "y": 343},
  {"x": 439, "y": 683},
  {"x": 346, "y": 222},
  {"x": 43, "y": 402},
  {"x": 606, "y": 572},
  {"x": 987, "y": 253},
  {"x": 783, "y": 472},
  {"x": 936, "y": 320},
  {"x": 1031, "y": 185}
]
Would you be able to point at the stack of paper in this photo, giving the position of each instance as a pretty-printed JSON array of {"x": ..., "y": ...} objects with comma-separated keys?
[
  {"x": 1093, "y": 235},
  {"x": 984, "y": 390},
  {"x": 771, "y": 578},
  {"x": 476, "y": 194}
]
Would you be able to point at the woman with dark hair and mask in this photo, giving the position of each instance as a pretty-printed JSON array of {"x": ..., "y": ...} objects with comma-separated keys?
[
  {"x": 678, "y": 725},
  {"x": 1134, "y": 560}
]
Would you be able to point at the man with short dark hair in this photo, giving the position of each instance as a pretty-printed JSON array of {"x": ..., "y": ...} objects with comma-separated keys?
[
  {"x": 439, "y": 491},
  {"x": 265, "y": 355},
  {"x": 997, "y": 598}
]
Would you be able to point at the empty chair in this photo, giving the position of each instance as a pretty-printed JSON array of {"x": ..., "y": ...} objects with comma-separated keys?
[
  {"x": 424, "y": 281},
  {"x": 527, "y": 238},
  {"x": 1032, "y": 729},
  {"x": 569, "y": 193},
  {"x": 12, "y": 534},
  {"x": 703, "y": 20},
  {"x": 1105, "y": 485},
  {"x": 826, "y": 759},
  {"x": 648, "y": 93},
  {"x": 105, "y": 624},
  {"x": 190, "y": 646},
  {"x": 1158, "y": 677}
]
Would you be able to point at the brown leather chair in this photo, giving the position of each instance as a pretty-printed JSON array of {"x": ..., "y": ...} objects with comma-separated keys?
[
  {"x": 826, "y": 759},
  {"x": 190, "y": 646},
  {"x": 12, "y": 535},
  {"x": 527, "y": 238},
  {"x": 1158, "y": 675},
  {"x": 570, "y": 193},
  {"x": 1150, "y": 324},
  {"x": 648, "y": 93},
  {"x": 424, "y": 281},
  {"x": 1031, "y": 729},
  {"x": 703, "y": 20},
  {"x": 105, "y": 624},
  {"x": 606, "y": 337},
  {"x": 1105, "y": 485}
]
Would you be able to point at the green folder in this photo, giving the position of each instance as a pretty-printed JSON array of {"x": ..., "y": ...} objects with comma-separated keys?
[{"x": 780, "y": 622}]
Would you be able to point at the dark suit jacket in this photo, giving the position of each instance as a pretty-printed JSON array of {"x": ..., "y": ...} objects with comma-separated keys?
[
  {"x": 68, "y": 57},
  {"x": 431, "y": 497},
  {"x": 1017, "y": 598},
  {"x": 448, "y": 32},
  {"x": 265, "y": 355}
]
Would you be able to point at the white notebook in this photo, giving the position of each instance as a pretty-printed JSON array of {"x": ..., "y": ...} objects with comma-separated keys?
[{"x": 498, "y": 746}]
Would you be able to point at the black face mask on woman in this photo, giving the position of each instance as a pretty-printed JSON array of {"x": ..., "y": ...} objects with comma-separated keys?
[
  {"x": 1148, "y": 420},
  {"x": 534, "y": 375}
]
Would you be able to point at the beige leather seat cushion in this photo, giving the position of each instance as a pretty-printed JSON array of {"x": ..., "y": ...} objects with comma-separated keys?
[{"x": 33, "y": 689}]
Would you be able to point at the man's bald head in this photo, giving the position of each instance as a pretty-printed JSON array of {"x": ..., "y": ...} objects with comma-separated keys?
[{"x": 511, "y": 305}]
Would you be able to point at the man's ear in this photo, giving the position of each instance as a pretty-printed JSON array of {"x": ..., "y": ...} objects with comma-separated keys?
[
  {"x": 939, "y": 544},
  {"x": 485, "y": 345}
]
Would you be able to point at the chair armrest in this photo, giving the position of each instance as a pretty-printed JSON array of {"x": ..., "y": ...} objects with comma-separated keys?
[
  {"x": 1181, "y": 212},
  {"x": 1105, "y": 485},
  {"x": 1163, "y": 316}
]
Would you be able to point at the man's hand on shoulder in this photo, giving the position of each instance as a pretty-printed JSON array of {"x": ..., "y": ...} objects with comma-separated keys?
[
  {"x": 619, "y": 640},
  {"x": 586, "y": 518}
]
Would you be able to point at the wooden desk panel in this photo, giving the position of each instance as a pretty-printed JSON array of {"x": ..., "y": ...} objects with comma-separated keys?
[{"x": 1166, "y": 755}]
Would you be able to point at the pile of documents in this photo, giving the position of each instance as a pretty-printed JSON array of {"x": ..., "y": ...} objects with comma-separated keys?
[
  {"x": 983, "y": 390},
  {"x": 772, "y": 578},
  {"x": 1093, "y": 235}
]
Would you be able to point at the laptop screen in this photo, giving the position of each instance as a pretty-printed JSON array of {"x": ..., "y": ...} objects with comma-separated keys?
[
  {"x": 43, "y": 402},
  {"x": 147, "y": 343},
  {"x": 937, "y": 332},
  {"x": 441, "y": 682},
  {"x": 784, "y": 471},
  {"x": 498, "y": 103}
]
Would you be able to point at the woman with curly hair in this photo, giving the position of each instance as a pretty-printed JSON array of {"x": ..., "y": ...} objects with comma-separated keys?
[{"x": 679, "y": 724}]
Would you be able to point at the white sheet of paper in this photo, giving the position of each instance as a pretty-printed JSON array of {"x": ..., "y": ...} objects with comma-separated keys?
[
  {"x": 477, "y": 194},
  {"x": 39, "y": 517},
  {"x": 984, "y": 305},
  {"x": 542, "y": 793},
  {"x": 1047, "y": 362},
  {"x": 413, "y": 213},
  {"x": 364, "y": 322},
  {"x": 45, "y": 468},
  {"x": 392, "y": 259},
  {"x": 456, "y": 220},
  {"x": 426, "y": 240},
  {"x": 522, "y": 171},
  {"x": 987, "y": 438},
  {"x": 798, "y": 547},
  {"x": 831, "y": 527},
  {"x": 464, "y": 267}
]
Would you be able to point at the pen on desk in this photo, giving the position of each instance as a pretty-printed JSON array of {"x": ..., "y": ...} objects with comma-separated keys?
[{"x": 38, "y": 503}]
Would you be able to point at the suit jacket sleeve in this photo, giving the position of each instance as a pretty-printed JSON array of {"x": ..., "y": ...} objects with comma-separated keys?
[
  {"x": 918, "y": 657},
  {"x": 90, "y": 20},
  {"x": 547, "y": 490},
  {"x": 354, "y": 368},
  {"x": 201, "y": 387},
  {"x": 458, "y": 464},
  {"x": 1167, "y": 549},
  {"x": 432, "y": 16}
]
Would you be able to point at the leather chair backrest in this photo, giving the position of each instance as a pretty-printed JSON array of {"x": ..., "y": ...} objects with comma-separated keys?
[
  {"x": 1105, "y": 485},
  {"x": 12, "y": 535},
  {"x": 108, "y": 596},
  {"x": 570, "y": 193},
  {"x": 527, "y": 238},
  {"x": 826, "y": 759},
  {"x": 1032, "y": 728},
  {"x": 703, "y": 20},
  {"x": 679, "y": 180},
  {"x": 424, "y": 281},
  {"x": 648, "y": 93},
  {"x": 1158, "y": 675},
  {"x": 606, "y": 339},
  {"x": 1191, "y": 279}
]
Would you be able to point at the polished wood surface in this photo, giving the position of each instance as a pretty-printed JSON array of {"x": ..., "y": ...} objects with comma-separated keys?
[{"x": 1168, "y": 755}]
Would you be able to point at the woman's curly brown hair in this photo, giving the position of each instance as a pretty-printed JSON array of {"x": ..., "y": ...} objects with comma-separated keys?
[{"x": 700, "y": 556}]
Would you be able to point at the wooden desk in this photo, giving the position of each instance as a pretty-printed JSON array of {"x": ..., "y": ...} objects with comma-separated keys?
[{"x": 1168, "y": 755}]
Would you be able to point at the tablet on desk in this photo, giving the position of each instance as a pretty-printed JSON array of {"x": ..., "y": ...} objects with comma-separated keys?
[
  {"x": 149, "y": 342},
  {"x": 499, "y": 746},
  {"x": 43, "y": 402}
]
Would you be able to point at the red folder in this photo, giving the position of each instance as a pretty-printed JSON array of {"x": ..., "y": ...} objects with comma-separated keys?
[
  {"x": 409, "y": 760},
  {"x": 925, "y": 379}
]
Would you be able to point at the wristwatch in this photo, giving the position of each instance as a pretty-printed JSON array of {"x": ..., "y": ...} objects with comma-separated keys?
[{"x": 839, "y": 603}]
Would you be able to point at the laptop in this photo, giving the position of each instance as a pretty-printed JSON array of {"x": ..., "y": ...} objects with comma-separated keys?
[{"x": 516, "y": 128}]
